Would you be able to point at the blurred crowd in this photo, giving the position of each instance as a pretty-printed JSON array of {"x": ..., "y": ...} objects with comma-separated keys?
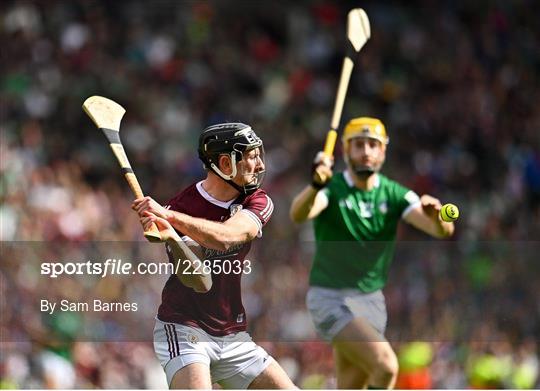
[{"x": 455, "y": 82}]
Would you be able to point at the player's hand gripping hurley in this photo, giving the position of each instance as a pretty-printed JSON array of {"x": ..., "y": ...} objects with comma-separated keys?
[
  {"x": 107, "y": 114},
  {"x": 358, "y": 32}
]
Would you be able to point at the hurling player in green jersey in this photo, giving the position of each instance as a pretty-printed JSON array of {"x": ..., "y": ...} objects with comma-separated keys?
[{"x": 356, "y": 213}]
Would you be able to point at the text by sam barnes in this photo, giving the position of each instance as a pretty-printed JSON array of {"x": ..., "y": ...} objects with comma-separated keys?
[{"x": 77, "y": 306}]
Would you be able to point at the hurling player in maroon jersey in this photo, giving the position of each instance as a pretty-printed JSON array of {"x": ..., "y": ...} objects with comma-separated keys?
[{"x": 200, "y": 335}]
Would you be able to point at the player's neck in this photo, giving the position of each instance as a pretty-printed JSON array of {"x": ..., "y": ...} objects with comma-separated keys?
[
  {"x": 219, "y": 189},
  {"x": 365, "y": 184}
]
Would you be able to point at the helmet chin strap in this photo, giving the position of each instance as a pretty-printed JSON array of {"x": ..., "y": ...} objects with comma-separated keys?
[
  {"x": 240, "y": 189},
  {"x": 246, "y": 190}
]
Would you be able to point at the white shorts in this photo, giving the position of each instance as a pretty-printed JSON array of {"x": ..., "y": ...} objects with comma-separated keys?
[
  {"x": 234, "y": 360},
  {"x": 332, "y": 309}
]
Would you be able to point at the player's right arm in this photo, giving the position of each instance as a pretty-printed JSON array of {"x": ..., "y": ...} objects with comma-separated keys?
[
  {"x": 238, "y": 229},
  {"x": 181, "y": 252},
  {"x": 312, "y": 201},
  {"x": 308, "y": 204}
]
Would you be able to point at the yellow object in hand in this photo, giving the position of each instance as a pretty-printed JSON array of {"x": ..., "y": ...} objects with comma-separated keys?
[{"x": 449, "y": 212}]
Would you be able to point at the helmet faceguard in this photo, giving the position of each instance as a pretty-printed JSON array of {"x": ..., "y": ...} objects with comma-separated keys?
[{"x": 234, "y": 140}]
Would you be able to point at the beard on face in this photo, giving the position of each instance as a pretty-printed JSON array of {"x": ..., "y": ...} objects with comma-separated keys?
[{"x": 363, "y": 172}]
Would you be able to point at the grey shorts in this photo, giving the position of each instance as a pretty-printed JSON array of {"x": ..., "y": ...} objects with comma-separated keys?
[
  {"x": 332, "y": 309},
  {"x": 234, "y": 360}
]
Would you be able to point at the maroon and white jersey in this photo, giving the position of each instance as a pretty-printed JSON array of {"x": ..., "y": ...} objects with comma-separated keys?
[{"x": 219, "y": 311}]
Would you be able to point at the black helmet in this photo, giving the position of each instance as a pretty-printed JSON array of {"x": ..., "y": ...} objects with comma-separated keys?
[{"x": 232, "y": 139}]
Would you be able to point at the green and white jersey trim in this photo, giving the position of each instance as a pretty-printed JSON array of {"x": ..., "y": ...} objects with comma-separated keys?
[
  {"x": 414, "y": 202},
  {"x": 411, "y": 196}
]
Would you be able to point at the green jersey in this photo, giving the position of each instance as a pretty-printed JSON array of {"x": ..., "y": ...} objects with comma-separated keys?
[{"x": 355, "y": 234}]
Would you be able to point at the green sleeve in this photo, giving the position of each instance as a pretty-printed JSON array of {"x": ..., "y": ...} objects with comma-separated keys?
[
  {"x": 404, "y": 197},
  {"x": 327, "y": 192},
  {"x": 329, "y": 189}
]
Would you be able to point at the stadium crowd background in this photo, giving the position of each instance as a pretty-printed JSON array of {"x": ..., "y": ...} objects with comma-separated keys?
[{"x": 456, "y": 84}]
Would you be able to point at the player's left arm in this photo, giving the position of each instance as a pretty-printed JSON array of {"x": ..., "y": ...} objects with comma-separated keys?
[{"x": 425, "y": 216}]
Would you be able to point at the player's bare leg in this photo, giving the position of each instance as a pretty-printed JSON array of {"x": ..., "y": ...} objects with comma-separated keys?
[
  {"x": 361, "y": 344},
  {"x": 349, "y": 374},
  {"x": 273, "y": 377},
  {"x": 192, "y": 376}
]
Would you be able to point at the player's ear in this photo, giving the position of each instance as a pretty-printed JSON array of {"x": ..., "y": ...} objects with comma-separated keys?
[{"x": 224, "y": 164}]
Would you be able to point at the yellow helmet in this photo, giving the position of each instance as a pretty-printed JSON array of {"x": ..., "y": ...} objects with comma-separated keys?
[{"x": 365, "y": 127}]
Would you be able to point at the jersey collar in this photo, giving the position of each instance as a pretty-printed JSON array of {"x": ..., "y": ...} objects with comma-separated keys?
[
  {"x": 211, "y": 199},
  {"x": 350, "y": 181}
]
